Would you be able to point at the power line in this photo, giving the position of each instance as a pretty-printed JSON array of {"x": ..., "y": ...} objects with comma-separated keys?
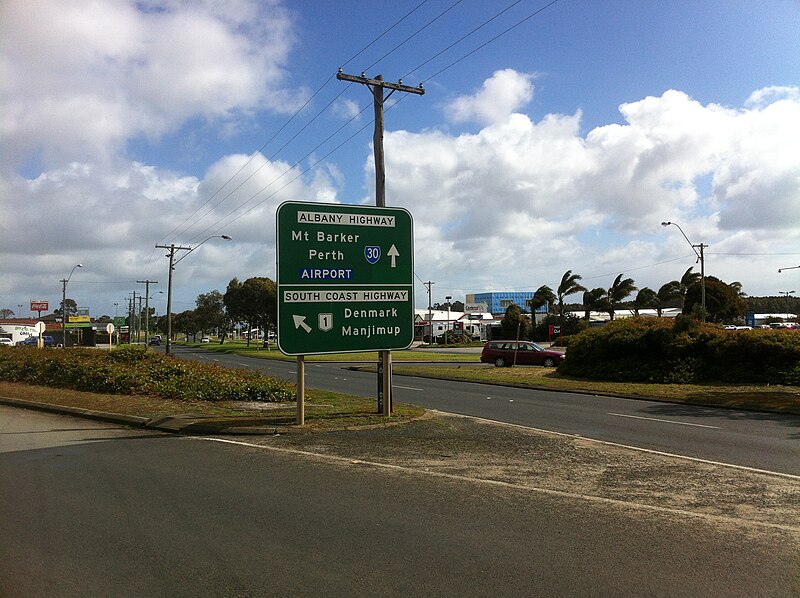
[
  {"x": 252, "y": 157},
  {"x": 296, "y": 113},
  {"x": 462, "y": 38},
  {"x": 490, "y": 41}
]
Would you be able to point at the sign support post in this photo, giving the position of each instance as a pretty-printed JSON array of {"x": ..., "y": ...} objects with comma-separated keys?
[{"x": 300, "y": 420}]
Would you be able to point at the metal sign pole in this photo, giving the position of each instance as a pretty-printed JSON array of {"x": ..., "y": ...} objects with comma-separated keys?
[{"x": 300, "y": 420}]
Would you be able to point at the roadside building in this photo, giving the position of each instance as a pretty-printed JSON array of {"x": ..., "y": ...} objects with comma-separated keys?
[
  {"x": 435, "y": 322},
  {"x": 17, "y": 329}
]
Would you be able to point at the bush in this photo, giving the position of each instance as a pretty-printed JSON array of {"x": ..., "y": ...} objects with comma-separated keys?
[
  {"x": 683, "y": 351},
  {"x": 135, "y": 370}
]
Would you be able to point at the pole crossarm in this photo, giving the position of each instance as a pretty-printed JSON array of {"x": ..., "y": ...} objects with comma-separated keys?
[{"x": 380, "y": 83}]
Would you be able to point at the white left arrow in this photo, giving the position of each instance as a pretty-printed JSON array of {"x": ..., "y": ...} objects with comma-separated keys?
[
  {"x": 300, "y": 322},
  {"x": 393, "y": 253}
]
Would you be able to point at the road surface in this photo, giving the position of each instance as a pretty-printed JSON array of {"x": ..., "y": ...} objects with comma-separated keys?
[
  {"x": 765, "y": 441},
  {"x": 92, "y": 509}
]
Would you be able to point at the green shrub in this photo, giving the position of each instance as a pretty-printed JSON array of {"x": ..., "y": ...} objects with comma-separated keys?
[
  {"x": 683, "y": 351},
  {"x": 135, "y": 370}
]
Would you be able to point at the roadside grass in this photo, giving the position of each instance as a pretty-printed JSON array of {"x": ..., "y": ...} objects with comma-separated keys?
[
  {"x": 774, "y": 398},
  {"x": 323, "y": 409},
  {"x": 259, "y": 352}
]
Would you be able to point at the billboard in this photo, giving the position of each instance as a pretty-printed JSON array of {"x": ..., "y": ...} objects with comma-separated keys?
[{"x": 40, "y": 306}]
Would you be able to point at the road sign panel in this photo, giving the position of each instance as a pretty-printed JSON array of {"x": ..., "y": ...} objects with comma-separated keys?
[{"x": 345, "y": 278}]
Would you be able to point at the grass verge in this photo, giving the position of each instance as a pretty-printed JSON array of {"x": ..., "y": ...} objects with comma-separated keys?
[
  {"x": 259, "y": 352},
  {"x": 324, "y": 410}
]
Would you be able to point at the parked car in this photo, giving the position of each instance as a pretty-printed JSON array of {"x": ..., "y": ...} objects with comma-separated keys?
[
  {"x": 33, "y": 341},
  {"x": 156, "y": 342},
  {"x": 205, "y": 339},
  {"x": 7, "y": 342},
  {"x": 508, "y": 353}
]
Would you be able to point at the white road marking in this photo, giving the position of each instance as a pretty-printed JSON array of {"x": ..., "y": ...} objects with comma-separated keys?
[
  {"x": 665, "y": 421},
  {"x": 409, "y": 388}
]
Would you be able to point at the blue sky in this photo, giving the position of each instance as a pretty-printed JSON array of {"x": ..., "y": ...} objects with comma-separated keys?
[{"x": 560, "y": 145}]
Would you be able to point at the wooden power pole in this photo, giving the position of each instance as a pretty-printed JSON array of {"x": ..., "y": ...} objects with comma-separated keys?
[{"x": 377, "y": 87}]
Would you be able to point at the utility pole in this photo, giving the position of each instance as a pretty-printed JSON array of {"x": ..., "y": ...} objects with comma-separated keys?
[
  {"x": 429, "y": 284},
  {"x": 147, "y": 284},
  {"x": 132, "y": 323},
  {"x": 130, "y": 320},
  {"x": 171, "y": 248},
  {"x": 376, "y": 87},
  {"x": 702, "y": 246}
]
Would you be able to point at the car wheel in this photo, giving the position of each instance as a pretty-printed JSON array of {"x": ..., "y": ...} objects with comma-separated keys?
[
  {"x": 549, "y": 362},
  {"x": 500, "y": 362}
]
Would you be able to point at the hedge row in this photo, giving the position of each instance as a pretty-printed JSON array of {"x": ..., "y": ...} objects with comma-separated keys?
[
  {"x": 683, "y": 351},
  {"x": 135, "y": 370}
]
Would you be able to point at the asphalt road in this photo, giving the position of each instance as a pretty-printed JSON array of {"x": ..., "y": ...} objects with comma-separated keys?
[
  {"x": 91, "y": 509},
  {"x": 765, "y": 441}
]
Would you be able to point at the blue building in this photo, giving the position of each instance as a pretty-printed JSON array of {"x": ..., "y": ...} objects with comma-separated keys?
[{"x": 498, "y": 301}]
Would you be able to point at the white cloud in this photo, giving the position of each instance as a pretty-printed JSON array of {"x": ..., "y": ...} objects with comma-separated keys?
[
  {"x": 768, "y": 95},
  {"x": 505, "y": 92},
  {"x": 111, "y": 218},
  {"x": 82, "y": 78},
  {"x": 522, "y": 201}
]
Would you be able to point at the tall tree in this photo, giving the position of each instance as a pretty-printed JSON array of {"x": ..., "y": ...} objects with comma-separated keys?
[
  {"x": 69, "y": 305},
  {"x": 723, "y": 303},
  {"x": 186, "y": 322},
  {"x": 619, "y": 290},
  {"x": 210, "y": 311},
  {"x": 594, "y": 300},
  {"x": 688, "y": 279},
  {"x": 544, "y": 295},
  {"x": 646, "y": 298},
  {"x": 514, "y": 324},
  {"x": 232, "y": 300},
  {"x": 569, "y": 285},
  {"x": 668, "y": 292},
  {"x": 260, "y": 299}
]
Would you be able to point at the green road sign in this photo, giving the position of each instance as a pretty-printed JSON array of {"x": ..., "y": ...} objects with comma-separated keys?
[{"x": 345, "y": 278}]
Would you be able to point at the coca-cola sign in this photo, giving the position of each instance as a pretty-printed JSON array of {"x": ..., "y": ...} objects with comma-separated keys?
[{"x": 40, "y": 306}]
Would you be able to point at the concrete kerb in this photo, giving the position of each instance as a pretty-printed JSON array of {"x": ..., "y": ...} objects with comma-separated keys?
[
  {"x": 189, "y": 424},
  {"x": 133, "y": 421}
]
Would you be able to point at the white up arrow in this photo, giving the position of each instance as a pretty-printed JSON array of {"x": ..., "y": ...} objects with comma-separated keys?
[
  {"x": 300, "y": 322},
  {"x": 393, "y": 253}
]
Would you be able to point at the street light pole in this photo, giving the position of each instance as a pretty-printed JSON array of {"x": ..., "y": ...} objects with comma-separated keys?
[
  {"x": 701, "y": 259},
  {"x": 787, "y": 293},
  {"x": 172, "y": 248},
  {"x": 64, "y": 282}
]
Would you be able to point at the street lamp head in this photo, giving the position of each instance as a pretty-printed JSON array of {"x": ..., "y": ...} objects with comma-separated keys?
[
  {"x": 665, "y": 223},
  {"x": 79, "y": 265},
  {"x": 226, "y": 237}
]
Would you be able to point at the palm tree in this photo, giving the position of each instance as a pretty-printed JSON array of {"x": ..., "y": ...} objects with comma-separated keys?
[
  {"x": 569, "y": 286},
  {"x": 619, "y": 290},
  {"x": 646, "y": 298},
  {"x": 668, "y": 292},
  {"x": 737, "y": 286},
  {"x": 688, "y": 279},
  {"x": 594, "y": 300},
  {"x": 543, "y": 296}
]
